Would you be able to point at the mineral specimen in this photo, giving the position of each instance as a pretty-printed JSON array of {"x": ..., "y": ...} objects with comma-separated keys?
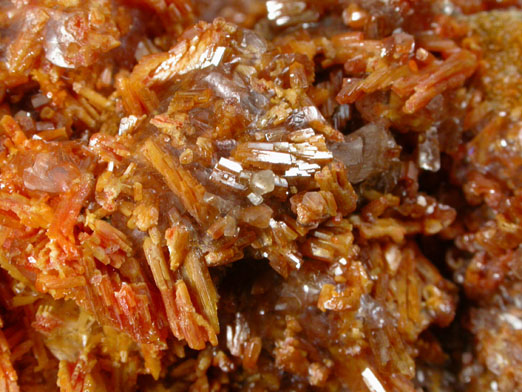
[{"x": 259, "y": 195}]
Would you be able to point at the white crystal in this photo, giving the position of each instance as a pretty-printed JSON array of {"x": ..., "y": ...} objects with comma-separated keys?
[
  {"x": 255, "y": 199},
  {"x": 263, "y": 182},
  {"x": 279, "y": 181},
  {"x": 127, "y": 123},
  {"x": 303, "y": 169},
  {"x": 372, "y": 382},
  {"x": 231, "y": 165},
  {"x": 273, "y": 157}
]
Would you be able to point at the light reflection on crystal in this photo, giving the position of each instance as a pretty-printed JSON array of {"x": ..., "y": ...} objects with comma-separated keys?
[
  {"x": 280, "y": 182},
  {"x": 273, "y": 157},
  {"x": 429, "y": 152},
  {"x": 372, "y": 382},
  {"x": 227, "y": 172},
  {"x": 127, "y": 124},
  {"x": 304, "y": 169},
  {"x": 513, "y": 320},
  {"x": 296, "y": 260},
  {"x": 231, "y": 165},
  {"x": 224, "y": 87},
  {"x": 255, "y": 199}
]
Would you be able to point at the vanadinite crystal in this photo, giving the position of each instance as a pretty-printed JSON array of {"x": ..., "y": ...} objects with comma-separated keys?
[{"x": 260, "y": 195}]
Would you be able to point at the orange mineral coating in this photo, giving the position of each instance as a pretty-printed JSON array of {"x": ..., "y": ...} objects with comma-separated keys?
[{"x": 248, "y": 195}]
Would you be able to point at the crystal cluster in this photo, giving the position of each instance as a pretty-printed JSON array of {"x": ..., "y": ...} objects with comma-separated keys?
[{"x": 259, "y": 195}]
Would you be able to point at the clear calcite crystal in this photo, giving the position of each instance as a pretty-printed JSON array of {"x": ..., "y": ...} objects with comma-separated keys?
[
  {"x": 263, "y": 182},
  {"x": 366, "y": 152}
]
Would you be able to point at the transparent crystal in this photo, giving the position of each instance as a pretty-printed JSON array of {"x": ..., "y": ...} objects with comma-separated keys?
[
  {"x": 367, "y": 151},
  {"x": 255, "y": 199},
  {"x": 429, "y": 151},
  {"x": 263, "y": 182}
]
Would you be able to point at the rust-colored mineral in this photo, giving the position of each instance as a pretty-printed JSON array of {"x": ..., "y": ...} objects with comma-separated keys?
[{"x": 248, "y": 195}]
